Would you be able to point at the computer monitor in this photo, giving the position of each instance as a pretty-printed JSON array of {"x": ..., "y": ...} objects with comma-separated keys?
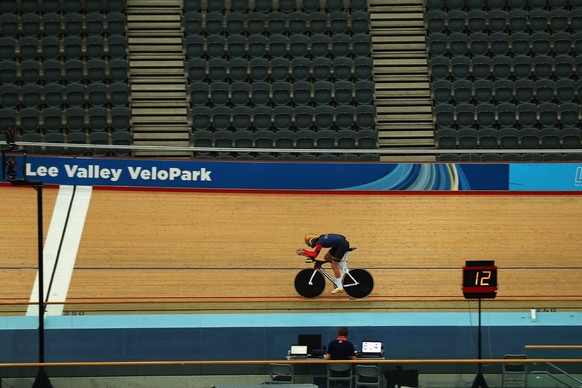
[{"x": 312, "y": 341}]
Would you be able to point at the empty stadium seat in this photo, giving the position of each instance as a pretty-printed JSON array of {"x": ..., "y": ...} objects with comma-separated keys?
[
  {"x": 219, "y": 93},
  {"x": 241, "y": 118},
  {"x": 221, "y": 119},
  {"x": 508, "y": 138},
  {"x": 325, "y": 139},
  {"x": 215, "y": 46},
  {"x": 236, "y": 46},
  {"x": 239, "y": 93},
  {"x": 488, "y": 138},
  {"x": 365, "y": 116},
  {"x": 503, "y": 91},
  {"x": 260, "y": 93},
  {"x": 343, "y": 92},
  {"x": 282, "y": 118},
  {"x": 29, "y": 120},
  {"x": 303, "y": 117},
  {"x": 345, "y": 117},
  {"x": 322, "y": 92},
  {"x": 281, "y": 93},
  {"x": 343, "y": 69},
  {"x": 506, "y": 115},
  {"x": 97, "y": 94},
  {"x": 97, "y": 116},
  {"x": 302, "y": 92},
  {"x": 201, "y": 121},
  {"x": 483, "y": 91},
  {"x": 524, "y": 90},
  {"x": 446, "y": 137},
  {"x": 9, "y": 96},
  {"x": 485, "y": 115},
  {"x": 238, "y": 70},
  {"x": 529, "y": 138},
  {"x": 256, "y": 23},
  {"x": 323, "y": 117},
  {"x": 300, "y": 69},
  {"x": 462, "y": 91},
  {"x": 548, "y": 114},
  {"x": 280, "y": 69}
]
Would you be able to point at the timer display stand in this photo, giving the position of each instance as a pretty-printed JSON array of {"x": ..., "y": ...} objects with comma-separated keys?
[{"x": 479, "y": 281}]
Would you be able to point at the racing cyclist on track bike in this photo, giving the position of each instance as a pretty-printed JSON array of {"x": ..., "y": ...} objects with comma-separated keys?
[{"x": 338, "y": 245}]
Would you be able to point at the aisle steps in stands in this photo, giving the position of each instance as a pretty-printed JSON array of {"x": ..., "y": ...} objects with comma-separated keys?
[
  {"x": 403, "y": 101},
  {"x": 158, "y": 82}
]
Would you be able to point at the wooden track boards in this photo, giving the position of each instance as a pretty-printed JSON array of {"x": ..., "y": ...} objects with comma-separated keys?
[{"x": 160, "y": 248}]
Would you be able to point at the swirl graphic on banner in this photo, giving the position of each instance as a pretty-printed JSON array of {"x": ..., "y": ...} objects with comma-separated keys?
[{"x": 419, "y": 177}]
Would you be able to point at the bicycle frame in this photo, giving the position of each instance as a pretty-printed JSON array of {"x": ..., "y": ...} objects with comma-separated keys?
[{"x": 344, "y": 271}]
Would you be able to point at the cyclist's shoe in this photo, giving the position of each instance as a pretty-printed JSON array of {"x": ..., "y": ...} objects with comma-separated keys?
[{"x": 337, "y": 291}]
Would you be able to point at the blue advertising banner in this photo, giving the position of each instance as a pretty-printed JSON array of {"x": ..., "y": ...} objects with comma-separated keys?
[
  {"x": 255, "y": 175},
  {"x": 546, "y": 177}
]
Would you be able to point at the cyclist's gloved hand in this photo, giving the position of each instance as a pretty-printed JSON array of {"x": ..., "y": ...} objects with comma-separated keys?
[{"x": 301, "y": 252}]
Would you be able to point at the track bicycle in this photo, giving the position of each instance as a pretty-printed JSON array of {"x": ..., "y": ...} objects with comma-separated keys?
[{"x": 310, "y": 283}]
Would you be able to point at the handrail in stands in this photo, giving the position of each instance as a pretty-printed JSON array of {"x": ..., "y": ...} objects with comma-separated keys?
[{"x": 306, "y": 361}]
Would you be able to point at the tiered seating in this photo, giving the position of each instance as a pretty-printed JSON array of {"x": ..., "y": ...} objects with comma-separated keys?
[
  {"x": 301, "y": 72},
  {"x": 528, "y": 54},
  {"x": 69, "y": 66}
]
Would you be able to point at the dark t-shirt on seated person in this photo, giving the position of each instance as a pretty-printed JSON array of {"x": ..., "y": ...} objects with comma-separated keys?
[{"x": 341, "y": 349}]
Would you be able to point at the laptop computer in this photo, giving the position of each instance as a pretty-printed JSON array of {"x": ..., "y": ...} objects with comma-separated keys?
[
  {"x": 298, "y": 351},
  {"x": 372, "y": 349}
]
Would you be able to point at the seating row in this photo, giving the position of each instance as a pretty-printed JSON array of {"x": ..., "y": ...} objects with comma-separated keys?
[
  {"x": 287, "y": 139},
  {"x": 488, "y": 5},
  {"x": 286, "y": 6},
  {"x": 277, "y": 46},
  {"x": 509, "y": 138},
  {"x": 511, "y": 157},
  {"x": 284, "y": 156},
  {"x": 71, "y": 71},
  {"x": 57, "y": 25},
  {"x": 500, "y": 20},
  {"x": 71, "y": 47},
  {"x": 282, "y": 93},
  {"x": 259, "y": 23},
  {"x": 60, "y": 96},
  {"x": 93, "y": 119},
  {"x": 280, "y": 69},
  {"x": 62, "y": 7},
  {"x": 508, "y": 115},
  {"x": 503, "y": 44},
  {"x": 504, "y": 67},
  {"x": 485, "y": 91},
  {"x": 283, "y": 118}
]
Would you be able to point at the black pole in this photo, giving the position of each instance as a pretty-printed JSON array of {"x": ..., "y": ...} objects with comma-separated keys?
[
  {"x": 479, "y": 338},
  {"x": 42, "y": 380},
  {"x": 38, "y": 189},
  {"x": 479, "y": 381}
]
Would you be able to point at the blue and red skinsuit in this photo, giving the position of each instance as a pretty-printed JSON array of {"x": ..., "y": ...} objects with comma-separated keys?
[{"x": 339, "y": 246}]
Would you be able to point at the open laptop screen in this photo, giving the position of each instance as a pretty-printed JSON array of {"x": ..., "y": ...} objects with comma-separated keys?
[
  {"x": 371, "y": 347},
  {"x": 298, "y": 350}
]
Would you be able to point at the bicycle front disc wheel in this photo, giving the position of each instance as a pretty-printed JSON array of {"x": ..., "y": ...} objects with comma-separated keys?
[
  {"x": 304, "y": 288},
  {"x": 358, "y": 283}
]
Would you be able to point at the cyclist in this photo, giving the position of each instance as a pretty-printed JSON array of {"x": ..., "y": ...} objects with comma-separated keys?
[{"x": 338, "y": 244}]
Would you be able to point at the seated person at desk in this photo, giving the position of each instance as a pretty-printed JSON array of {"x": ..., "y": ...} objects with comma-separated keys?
[{"x": 340, "y": 348}]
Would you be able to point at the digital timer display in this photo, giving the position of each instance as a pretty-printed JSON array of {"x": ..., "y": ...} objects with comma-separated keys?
[{"x": 479, "y": 279}]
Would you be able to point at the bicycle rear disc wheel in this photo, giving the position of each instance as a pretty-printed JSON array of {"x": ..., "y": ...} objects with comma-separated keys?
[
  {"x": 358, "y": 283},
  {"x": 305, "y": 289}
]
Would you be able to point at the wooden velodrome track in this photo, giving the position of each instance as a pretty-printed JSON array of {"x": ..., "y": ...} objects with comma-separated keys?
[{"x": 167, "y": 251}]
